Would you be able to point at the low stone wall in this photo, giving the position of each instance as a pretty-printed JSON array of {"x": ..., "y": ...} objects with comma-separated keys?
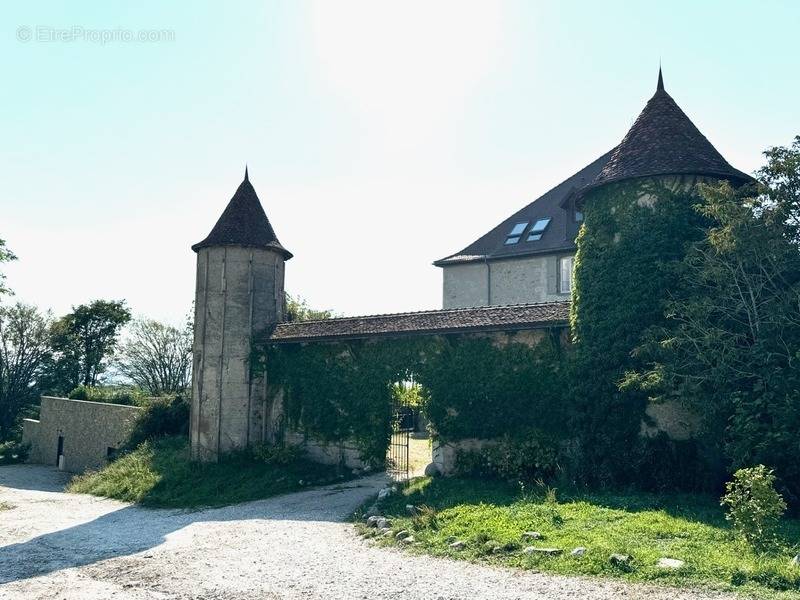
[
  {"x": 327, "y": 454},
  {"x": 444, "y": 455},
  {"x": 87, "y": 433}
]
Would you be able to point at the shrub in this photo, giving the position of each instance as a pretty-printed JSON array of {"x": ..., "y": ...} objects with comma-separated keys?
[
  {"x": 109, "y": 395},
  {"x": 277, "y": 455},
  {"x": 753, "y": 505},
  {"x": 527, "y": 456},
  {"x": 13, "y": 452},
  {"x": 161, "y": 417}
]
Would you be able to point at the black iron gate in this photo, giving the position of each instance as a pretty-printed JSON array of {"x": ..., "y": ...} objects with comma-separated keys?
[{"x": 397, "y": 462}]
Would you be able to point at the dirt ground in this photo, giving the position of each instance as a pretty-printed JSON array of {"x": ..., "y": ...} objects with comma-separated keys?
[{"x": 60, "y": 546}]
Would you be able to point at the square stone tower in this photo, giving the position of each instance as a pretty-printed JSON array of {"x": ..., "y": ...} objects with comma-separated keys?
[{"x": 239, "y": 294}]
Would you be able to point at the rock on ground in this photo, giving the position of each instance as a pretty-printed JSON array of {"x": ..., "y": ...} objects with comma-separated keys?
[{"x": 58, "y": 546}]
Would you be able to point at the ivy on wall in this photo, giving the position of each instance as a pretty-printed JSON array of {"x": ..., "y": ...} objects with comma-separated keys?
[
  {"x": 341, "y": 392},
  {"x": 634, "y": 236}
]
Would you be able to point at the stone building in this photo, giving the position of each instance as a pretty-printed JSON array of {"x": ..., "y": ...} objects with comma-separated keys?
[
  {"x": 512, "y": 283},
  {"x": 529, "y": 256}
]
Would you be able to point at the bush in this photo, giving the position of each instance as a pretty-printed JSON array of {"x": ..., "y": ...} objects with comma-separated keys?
[
  {"x": 109, "y": 395},
  {"x": 161, "y": 417},
  {"x": 753, "y": 505},
  {"x": 529, "y": 456},
  {"x": 280, "y": 455},
  {"x": 13, "y": 452}
]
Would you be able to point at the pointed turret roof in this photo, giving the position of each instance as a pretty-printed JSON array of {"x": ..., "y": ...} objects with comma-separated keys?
[
  {"x": 663, "y": 141},
  {"x": 244, "y": 223}
]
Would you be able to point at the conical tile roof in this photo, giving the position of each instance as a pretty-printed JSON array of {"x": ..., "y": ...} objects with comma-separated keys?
[
  {"x": 244, "y": 223},
  {"x": 663, "y": 141}
]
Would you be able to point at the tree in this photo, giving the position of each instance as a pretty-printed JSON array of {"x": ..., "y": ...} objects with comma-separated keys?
[
  {"x": 730, "y": 348},
  {"x": 5, "y": 256},
  {"x": 157, "y": 357},
  {"x": 297, "y": 309},
  {"x": 83, "y": 342},
  {"x": 23, "y": 348}
]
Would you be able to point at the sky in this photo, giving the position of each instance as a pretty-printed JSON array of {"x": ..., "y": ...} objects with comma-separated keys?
[{"x": 380, "y": 136}]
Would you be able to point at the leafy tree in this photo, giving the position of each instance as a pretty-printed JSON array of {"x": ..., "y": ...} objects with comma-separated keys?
[
  {"x": 297, "y": 309},
  {"x": 157, "y": 357},
  {"x": 5, "y": 256},
  {"x": 83, "y": 342},
  {"x": 731, "y": 346},
  {"x": 23, "y": 349}
]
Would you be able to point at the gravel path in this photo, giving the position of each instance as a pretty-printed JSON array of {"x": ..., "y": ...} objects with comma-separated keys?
[{"x": 64, "y": 546}]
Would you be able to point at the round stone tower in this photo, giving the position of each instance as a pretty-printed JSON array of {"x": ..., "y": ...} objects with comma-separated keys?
[
  {"x": 639, "y": 218},
  {"x": 239, "y": 294}
]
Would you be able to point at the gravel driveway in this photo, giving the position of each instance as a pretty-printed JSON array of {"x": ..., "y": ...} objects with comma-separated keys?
[{"x": 64, "y": 546}]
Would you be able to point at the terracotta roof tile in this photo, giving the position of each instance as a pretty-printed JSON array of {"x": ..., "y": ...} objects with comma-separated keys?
[
  {"x": 244, "y": 223},
  {"x": 663, "y": 141},
  {"x": 485, "y": 318}
]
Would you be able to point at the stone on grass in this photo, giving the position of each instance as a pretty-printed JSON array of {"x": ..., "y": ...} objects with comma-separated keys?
[
  {"x": 545, "y": 551},
  {"x": 408, "y": 540},
  {"x": 795, "y": 562},
  {"x": 458, "y": 545},
  {"x": 669, "y": 563},
  {"x": 372, "y": 521},
  {"x": 383, "y": 523},
  {"x": 402, "y": 534},
  {"x": 388, "y": 533},
  {"x": 433, "y": 470},
  {"x": 620, "y": 560},
  {"x": 531, "y": 535},
  {"x": 579, "y": 551}
]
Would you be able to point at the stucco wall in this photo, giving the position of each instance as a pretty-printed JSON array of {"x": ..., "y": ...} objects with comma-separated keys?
[
  {"x": 465, "y": 285},
  {"x": 89, "y": 429},
  {"x": 511, "y": 281},
  {"x": 239, "y": 294}
]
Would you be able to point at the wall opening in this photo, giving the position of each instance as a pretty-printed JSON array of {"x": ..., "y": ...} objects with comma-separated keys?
[{"x": 60, "y": 450}]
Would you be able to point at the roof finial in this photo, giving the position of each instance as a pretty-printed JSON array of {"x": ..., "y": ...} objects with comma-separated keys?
[
  {"x": 660, "y": 86},
  {"x": 245, "y": 172}
]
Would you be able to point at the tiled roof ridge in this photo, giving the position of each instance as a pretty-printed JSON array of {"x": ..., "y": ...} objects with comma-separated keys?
[{"x": 437, "y": 311}]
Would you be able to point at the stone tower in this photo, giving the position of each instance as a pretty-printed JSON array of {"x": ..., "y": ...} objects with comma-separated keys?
[
  {"x": 239, "y": 294},
  {"x": 639, "y": 219}
]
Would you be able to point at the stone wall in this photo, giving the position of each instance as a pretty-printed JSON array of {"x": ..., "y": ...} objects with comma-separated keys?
[
  {"x": 511, "y": 281},
  {"x": 90, "y": 431},
  {"x": 327, "y": 454}
]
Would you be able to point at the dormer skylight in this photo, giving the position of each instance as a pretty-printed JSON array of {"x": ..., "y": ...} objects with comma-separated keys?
[
  {"x": 538, "y": 229},
  {"x": 516, "y": 233}
]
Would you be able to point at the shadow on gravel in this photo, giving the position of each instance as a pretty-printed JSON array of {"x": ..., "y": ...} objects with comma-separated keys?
[
  {"x": 134, "y": 529},
  {"x": 33, "y": 477}
]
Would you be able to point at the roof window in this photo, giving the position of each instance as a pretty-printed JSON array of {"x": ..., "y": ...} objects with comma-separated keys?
[
  {"x": 516, "y": 233},
  {"x": 538, "y": 229}
]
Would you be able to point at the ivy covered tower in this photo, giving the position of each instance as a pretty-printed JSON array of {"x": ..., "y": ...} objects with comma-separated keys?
[
  {"x": 239, "y": 294},
  {"x": 638, "y": 220}
]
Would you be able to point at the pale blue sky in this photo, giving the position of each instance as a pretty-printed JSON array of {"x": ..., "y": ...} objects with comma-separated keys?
[{"x": 380, "y": 136}]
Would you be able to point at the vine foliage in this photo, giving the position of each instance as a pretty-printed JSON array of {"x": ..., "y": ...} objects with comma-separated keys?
[{"x": 473, "y": 388}]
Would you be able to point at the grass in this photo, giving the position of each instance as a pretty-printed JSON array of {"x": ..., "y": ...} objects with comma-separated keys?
[
  {"x": 160, "y": 474},
  {"x": 491, "y": 517}
]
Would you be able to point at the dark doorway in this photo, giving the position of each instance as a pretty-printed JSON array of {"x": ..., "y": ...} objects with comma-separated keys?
[{"x": 60, "y": 451}]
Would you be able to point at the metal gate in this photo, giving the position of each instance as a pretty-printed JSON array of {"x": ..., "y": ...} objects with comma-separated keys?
[{"x": 397, "y": 462}]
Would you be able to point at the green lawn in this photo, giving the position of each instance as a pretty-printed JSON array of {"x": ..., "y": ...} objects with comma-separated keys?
[
  {"x": 491, "y": 518},
  {"x": 159, "y": 474}
]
